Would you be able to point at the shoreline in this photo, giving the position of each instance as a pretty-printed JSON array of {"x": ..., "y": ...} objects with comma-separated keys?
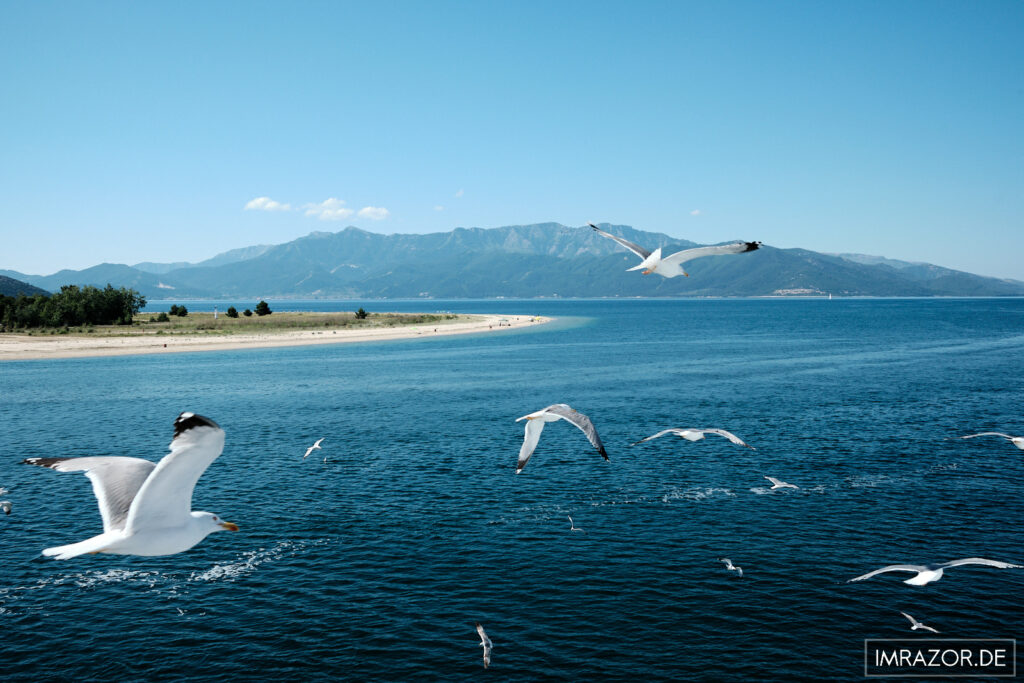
[{"x": 16, "y": 346}]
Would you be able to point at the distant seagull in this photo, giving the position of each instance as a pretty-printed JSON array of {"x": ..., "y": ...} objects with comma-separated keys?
[
  {"x": 312, "y": 448},
  {"x": 1017, "y": 441},
  {"x": 915, "y": 624},
  {"x": 779, "y": 484},
  {"x": 3, "y": 491},
  {"x": 485, "y": 643},
  {"x": 572, "y": 525},
  {"x": 730, "y": 566},
  {"x": 698, "y": 434},
  {"x": 5, "y": 505},
  {"x": 559, "y": 411},
  {"x": 671, "y": 266},
  {"x": 146, "y": 506},
  {"x": 933, "y": 572}
]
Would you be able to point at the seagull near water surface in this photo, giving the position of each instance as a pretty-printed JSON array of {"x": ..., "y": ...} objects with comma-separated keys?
[
  {"x": 926, "y": 573},
  {"x": 915, "y": 624},
  {"x": 559, "y": 411},
  {"x": 691, "y": 434},
  {"x": 314, "y": 447},
  {"x": 485, "y": 643},
  {"x": 779, "y": 484},
  {"x": 1017, "y": 441},
  {"x": 147, "y": 507},
  {"x": 730, "y": 566},
  {"x": 671, "y": 265}
]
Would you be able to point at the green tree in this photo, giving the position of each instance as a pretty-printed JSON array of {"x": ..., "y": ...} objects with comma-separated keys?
[
  {"x": 173, "y": 310},
  {"x": 182, "y": 311},
  {"x": 361, "y": 314},
  {"x": 162, "y": 318},
  {"x": 262, "y": 308},
  {"x": 247, "y": 313},
  {"x": 232, "y": 312}
]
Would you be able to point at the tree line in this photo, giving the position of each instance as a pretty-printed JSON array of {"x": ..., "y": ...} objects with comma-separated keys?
[{"x": 71, "y": 306}]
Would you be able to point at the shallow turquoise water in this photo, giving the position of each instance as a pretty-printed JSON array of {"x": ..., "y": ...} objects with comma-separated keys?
[{"x": 375, "y": 564}]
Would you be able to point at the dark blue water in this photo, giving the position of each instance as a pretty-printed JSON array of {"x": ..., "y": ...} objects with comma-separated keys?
[{"x": 376, "y": 564}]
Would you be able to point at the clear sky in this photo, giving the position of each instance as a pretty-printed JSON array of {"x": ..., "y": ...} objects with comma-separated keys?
[{"x": 141, "y": 130}]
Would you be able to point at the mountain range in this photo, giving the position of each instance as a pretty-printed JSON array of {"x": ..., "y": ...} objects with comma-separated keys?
[{"x": 541, "y": 260}]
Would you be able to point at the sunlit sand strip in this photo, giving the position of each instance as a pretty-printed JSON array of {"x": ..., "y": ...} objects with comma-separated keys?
[{"x": 25, "y": 347}]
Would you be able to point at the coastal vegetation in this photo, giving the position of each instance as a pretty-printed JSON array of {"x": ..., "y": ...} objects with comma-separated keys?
[
  {"x": 72, "y": 306},
  {"x": 205, "y": 323}
]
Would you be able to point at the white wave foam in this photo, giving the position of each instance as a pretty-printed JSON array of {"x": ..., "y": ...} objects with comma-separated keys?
[
  {"x": 251, "y": 560},
  {"x": 696, "y": 494}
]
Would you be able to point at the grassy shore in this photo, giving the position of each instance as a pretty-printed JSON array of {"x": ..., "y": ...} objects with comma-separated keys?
[{"x": 205, "y": 323}]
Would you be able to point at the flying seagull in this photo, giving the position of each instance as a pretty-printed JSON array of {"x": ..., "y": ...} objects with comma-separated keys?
[
  {"x": 926, "y": 573},
  {"x": 698, "y": 434},
  {"x": 779, "y": 484},
  {"x": 572, "y": 525},
  {"x": 671, "y": 265},
  {"x": 915, "y": 624},
  {"x": 1017, "y": 441},
  {"x": 485, "y": 643},
  {"x": 147, "y": 507},
  {"x": 312, "y": 448},
  {"x": 730, "y": 566},
  {"x": 559, "y": 411},
  {"x": 5, "y": 505}
]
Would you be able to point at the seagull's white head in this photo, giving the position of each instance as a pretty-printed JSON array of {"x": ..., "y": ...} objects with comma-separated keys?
[{"x": 210, "y": 522}]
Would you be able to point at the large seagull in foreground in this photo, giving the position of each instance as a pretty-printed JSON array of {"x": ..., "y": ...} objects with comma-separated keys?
[
  {"x": 933, "y": 572},
  {"x": 671, "y": 266},
  {"x": 559, "y": 411},
  {"x": 146, "y": 506}
]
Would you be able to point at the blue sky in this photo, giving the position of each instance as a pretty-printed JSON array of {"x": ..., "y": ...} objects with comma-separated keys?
[{"x": 142, "y": 131}]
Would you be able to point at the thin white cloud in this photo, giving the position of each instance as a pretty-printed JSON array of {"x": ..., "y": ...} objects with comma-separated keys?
[
  {"x": 460, "y": 193},
  {"x": 695, "y": 212},
  {"x": 266, "y": 204},
  {"x": 438, "y": 208},
  {"x": 374, "y": 213},
  {"x": 329, "y": 210}
]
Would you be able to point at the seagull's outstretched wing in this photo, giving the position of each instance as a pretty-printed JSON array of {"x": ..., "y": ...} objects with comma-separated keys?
[
  {"x": 729, "y": 435},
  {"x": 530, "y": 439},
  {"x": 115, "y": 480},
  {"x": 774, "y": 481},
  {"x": 167, "y": 492},
  {"x": 982, "y": 560},
  {"x": 971, "y": 436},
  {"x": 663, "y": 432},
  {"x": 916, "y": 568},
  {"x": 635, "y": 248},
  {"x": 913, "y": 621},
  {"x": 700, "y": 252},
  {"x": 580, "y": 420}
]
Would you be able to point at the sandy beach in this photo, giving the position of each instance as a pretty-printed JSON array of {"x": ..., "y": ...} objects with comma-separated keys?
[{"x": 38, "y": 347}]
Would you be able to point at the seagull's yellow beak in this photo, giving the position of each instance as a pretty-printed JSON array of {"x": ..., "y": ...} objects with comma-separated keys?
[
  {"x": 647, "y": 271},
  {"x": 230, "y": 526}
]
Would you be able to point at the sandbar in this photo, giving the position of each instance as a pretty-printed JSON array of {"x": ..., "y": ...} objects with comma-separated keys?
[{"x": 17, "y": 346}]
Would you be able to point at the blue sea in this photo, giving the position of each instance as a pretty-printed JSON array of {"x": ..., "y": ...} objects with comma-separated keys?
[{"x": 375, "y": 564}]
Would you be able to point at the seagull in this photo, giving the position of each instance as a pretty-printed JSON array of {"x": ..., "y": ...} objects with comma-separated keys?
[
  {"x": 485, "y": 643},
  {"x": 312, "y": 448},
  {"x": 671, "y": 265},
  {"x": 915, "y": 624},
  {"x": 3, "y": 491},
  {"x": 779, "y": 484},
  {"x": 559, "y": 411},
  {"x": 572, "y": 525},
  {"x": 1017, "y": 441},
  {"x": 698, "y": 434},
  {"x": 5, "y": 505},
  {"x": 147, "y": 507},
  {"x": 730, "y": 566},
  {"x": 933, "y": 572}
]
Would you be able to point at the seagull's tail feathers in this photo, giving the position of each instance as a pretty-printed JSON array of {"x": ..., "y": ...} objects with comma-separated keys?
[{"x": 95, "y": 544}]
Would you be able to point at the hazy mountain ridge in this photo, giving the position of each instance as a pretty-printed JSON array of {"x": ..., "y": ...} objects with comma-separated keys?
[{"x": 541, "y": 260}]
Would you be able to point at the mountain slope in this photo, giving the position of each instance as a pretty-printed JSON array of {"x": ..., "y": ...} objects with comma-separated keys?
[
  {"x": 10, "y": 286},
  {"x": 540, "y": 260}
]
